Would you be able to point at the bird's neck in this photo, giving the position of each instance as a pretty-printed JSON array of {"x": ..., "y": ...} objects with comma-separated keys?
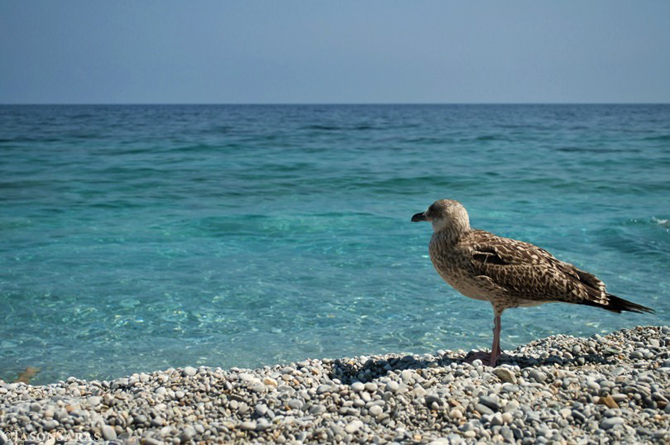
[{"x": 449, "y": 236}]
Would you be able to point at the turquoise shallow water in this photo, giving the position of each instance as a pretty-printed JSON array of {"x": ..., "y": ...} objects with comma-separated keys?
[{"x": 135, "y": 238}]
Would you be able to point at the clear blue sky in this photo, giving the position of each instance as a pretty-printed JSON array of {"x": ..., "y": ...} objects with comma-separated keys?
[{"x": 314, "y": 51}]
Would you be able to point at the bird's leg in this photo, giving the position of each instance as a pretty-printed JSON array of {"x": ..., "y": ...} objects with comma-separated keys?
[
  {"x": 493, "y": 357},
  {"x": 495, "y": 349}
]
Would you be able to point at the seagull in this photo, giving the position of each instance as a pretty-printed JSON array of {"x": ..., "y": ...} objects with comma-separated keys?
[{"x": 505, "y": 272}]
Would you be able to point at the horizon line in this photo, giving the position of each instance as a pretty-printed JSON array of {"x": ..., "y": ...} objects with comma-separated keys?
[{"x": 312, "y": 103}]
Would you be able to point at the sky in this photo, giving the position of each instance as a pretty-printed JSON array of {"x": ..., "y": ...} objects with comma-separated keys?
[{"x": 317, "y": 51}]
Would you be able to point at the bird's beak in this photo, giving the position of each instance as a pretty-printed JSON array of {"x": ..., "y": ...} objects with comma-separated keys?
[{"x": 419, "y": 217}]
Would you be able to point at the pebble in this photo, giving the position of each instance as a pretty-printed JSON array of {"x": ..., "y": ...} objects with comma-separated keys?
[
  {"x": 371, "y": 386},
  {"x": 593, "y": 386},
  {"x": 376, "y": 410},
  {"x": 392, "y": 386},
  {"x": 505, "y": 375},
  {"x": 353, "y": 426},
  {"x": 190, "y": 371},
  {"x": 357, "y": 386},
  {"x": 559, "y": 389},
  {"x": 496, "y": 419},
  {"x": 483, "y": 409},
  {"x": 507, "y": 417},
  {"x": 537, "y": 375},
  {"x": 491, "y": 401},
  {"x": 108, "y": 433},
  {"x": 248, "y": 426},
  {"x": 610, "y": 422},
  {"x": 187, "y": 433},
  {"x": 323, "y": 389},
  {"x": 295, "y": 403}
]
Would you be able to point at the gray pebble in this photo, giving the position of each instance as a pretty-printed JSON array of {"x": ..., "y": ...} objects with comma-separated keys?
[
  {"x": 431, "y": 399},
  {"x": 496, "y": 419},
  {"x": 491, "y": 401},
  {"x": 108, "y": 433},
  {"x": 611, "y": 422},
  {"x": 295, "y": 403},
  {"x": 323, "y": 389},
  {"x": 50, "y": 425},
  {"x": 248, "y": 426},
  {"x": 187, "y": 433},
  {"x": 593, "y": 386},
  {"x": 317, "y": 409},
  {"x": 577, "y": 415},
  {"x": 483, "y": 409},
  {"x": 258, "y": 388},
  {"x": 537, "y": 375}
]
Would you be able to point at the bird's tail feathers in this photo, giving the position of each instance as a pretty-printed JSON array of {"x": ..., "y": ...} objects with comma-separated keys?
[{"x": 618, "y": 305}]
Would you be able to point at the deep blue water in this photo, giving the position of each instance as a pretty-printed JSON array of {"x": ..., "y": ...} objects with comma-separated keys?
[{"x": 135, "y": 238}]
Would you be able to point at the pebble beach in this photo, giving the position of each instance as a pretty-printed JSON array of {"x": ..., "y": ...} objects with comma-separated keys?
[{"x": 558, "y": 390}]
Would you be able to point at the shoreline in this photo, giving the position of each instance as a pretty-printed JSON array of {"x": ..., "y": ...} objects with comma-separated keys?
[{"x": 559, "y": 389}]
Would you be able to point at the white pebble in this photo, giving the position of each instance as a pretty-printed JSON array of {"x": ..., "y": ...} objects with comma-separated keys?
[
  {"x": 353, "y": 426},
  {"x": 357, "y": 386}
]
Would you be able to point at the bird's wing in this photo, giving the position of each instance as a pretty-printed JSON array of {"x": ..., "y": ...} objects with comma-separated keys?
[{"x": 528, "y": 272}]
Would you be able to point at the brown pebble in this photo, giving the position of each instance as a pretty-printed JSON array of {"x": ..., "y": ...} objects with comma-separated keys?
[{"x": 609, "y": 401}]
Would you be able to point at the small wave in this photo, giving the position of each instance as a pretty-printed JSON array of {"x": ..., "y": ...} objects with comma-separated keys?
[
  {"x": 20, "y": 139},
  {"x": 660, "y": 222},
  {"x": 323, "y": 127},
  {"x": 663, "y": 137},
  {"x": 221, "y": 129},
  {"x": 85, "y": 135},
  {"x": 487, "y": 137},
  {"x": 636, "y": 241},
  {"x": 429, "y": 140},
  {"x": 595, "y": 150}
]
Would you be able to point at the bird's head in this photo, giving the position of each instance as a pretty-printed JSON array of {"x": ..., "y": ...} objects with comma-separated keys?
[{"x": 447, "y": 215}]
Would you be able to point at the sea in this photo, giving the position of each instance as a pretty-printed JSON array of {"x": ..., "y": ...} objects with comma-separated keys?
[{"x": 136, "y": 238}]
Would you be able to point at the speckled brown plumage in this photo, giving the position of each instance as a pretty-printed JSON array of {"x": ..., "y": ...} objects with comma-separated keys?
[{"x": 506, "y": 272}]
